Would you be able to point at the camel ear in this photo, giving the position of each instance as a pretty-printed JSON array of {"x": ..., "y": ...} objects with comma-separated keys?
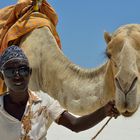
[{"x": 107, "y": 37}]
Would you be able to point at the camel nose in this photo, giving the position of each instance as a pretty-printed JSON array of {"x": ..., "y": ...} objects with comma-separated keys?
[{"x": 125, "y": 85}]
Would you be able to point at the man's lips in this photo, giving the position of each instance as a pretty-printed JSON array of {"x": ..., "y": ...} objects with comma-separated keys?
[{"x": 18, "y": 83}]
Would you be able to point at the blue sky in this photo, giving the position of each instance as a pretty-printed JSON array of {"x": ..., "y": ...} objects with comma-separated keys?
[
  {"x": 81, "y": 27},
  {"x": 82, "y": 24}
]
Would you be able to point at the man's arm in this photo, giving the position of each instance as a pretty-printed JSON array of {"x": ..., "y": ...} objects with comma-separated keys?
[{"x": 78, "y": 124}]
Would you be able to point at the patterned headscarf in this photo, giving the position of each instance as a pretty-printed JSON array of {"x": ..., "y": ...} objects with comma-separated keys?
[{"x": 10, "y": 53}]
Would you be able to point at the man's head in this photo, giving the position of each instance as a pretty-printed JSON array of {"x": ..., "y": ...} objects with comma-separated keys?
[{"x": 15, "y": 69}]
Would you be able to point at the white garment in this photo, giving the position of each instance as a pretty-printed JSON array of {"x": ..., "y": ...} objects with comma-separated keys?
[{"x": 44, "y": 109}]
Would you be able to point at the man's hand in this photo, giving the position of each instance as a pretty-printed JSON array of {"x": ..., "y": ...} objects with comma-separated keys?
[{"x": 111, "y": 110}]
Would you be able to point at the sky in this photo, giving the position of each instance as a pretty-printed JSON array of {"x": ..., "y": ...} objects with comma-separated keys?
[{"x": 81, "y": 28}]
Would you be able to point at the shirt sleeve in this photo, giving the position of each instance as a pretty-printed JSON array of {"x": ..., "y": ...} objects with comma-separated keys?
[{"x": 54, "y": 109}]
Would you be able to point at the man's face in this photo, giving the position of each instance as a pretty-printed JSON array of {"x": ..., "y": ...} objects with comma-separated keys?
[{"x": 16, "y": 75}]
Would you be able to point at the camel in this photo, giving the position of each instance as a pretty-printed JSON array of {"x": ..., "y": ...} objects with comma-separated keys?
[{"x": 81, "y": 90}]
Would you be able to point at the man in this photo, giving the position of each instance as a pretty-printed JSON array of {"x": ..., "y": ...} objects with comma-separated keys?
[{"x": 25, "y": 114}]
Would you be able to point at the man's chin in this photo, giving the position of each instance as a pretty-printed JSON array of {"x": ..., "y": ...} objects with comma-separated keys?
[{"x": 20, "y": 88}]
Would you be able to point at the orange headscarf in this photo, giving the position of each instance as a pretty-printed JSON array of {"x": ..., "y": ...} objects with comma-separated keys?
[{"x": 17, "y": 20}]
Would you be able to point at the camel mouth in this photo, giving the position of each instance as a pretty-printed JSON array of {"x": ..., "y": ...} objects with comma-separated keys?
[{"x": 127, "y": 114}]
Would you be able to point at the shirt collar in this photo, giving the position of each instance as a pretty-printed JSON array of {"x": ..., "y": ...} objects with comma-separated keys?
[{"x": 33, "y": 97}]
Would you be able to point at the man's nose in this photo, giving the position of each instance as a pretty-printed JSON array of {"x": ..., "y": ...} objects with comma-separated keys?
[{"x": 17, "y": 73}]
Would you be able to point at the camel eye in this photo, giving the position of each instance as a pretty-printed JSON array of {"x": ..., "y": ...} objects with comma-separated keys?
[
  {"x": 108, "y": 54},
  {"x": 115, "y": 65}
]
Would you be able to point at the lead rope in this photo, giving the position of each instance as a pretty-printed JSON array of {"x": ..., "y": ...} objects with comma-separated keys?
[
  {"x": 101, "y": 129},
  {"x": 106, "y": 121}
]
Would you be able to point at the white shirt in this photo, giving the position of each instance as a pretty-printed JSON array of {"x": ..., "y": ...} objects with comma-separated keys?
[{"x": 39, "y": 113}]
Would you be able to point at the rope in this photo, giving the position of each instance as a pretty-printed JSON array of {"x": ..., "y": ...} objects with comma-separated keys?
[{"x": 101, "y": 129}]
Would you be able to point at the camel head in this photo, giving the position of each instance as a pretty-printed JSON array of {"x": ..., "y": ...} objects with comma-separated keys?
[{"x": 123, "y": 49}]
